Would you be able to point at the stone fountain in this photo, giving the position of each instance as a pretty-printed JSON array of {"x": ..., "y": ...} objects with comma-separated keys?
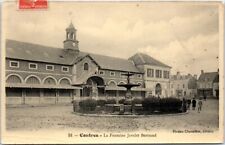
[{"x": 128, "y": 95}]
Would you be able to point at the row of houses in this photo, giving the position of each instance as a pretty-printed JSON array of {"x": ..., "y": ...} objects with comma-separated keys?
[
  {"x": 41, "y": 74},
  {"x": 190, "y": 86}
]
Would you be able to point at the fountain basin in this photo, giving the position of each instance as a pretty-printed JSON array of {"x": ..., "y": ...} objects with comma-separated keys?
[{"x": 128, "y": 86}]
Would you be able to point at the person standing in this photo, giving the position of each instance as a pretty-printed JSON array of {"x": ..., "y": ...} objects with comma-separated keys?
[
  {"x": 193, "y": 104},
  {"x": 184, "y": 105},
  {"x": 188, "y": 104},
  {"x": 199, "y": 105},
  {"x": 204, "y": 95}
]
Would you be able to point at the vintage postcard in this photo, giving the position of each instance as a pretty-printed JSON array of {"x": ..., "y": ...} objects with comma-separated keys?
[{"x": 112, "y": 72}]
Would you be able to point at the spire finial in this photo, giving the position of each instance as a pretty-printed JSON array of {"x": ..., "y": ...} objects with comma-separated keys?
[
  {"x": 71, "y": 26},
  {"x": 71, "y": 22}
]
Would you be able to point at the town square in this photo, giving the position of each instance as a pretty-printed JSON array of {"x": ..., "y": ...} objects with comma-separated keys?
[{"x": 62, "y": 117}]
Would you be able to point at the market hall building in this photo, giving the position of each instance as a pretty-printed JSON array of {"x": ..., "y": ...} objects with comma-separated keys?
[{"x": 38, "y": 74}]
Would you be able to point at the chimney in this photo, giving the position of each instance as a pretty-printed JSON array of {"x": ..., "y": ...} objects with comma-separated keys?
[{"x": 202, "y": 71}]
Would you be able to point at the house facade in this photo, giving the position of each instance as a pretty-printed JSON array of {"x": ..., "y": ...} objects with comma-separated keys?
[
  {"x": 156, "y": 74},
  {"x": 208, "y": 84},
  {"x": 183, "y": 85},
  {"x": 37, "y": 74}
]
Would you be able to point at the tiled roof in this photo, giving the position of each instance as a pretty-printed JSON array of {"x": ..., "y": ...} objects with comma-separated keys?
[
  {"x": 107, "y": 62},
  {"x": 217, "y": 78},
  {"x": 141, "y": 59},
  {"x": 35, "y": 52},
  {"x": 209, "y": 76}
]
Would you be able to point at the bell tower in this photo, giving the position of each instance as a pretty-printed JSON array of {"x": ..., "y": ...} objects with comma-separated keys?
[{"x": 71, "y": 42}]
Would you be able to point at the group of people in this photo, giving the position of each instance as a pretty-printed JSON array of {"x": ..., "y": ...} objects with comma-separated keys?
[{"x": 188, "y": 104}]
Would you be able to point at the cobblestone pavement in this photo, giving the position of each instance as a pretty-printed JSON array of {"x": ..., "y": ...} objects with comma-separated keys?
[{"x": 62, "y": 117}]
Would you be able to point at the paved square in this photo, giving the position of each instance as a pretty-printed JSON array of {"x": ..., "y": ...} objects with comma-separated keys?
[{"x": 62, "y": 117}]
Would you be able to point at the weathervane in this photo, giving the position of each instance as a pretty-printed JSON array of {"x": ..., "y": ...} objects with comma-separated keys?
[{"x": 70, "y": 15}]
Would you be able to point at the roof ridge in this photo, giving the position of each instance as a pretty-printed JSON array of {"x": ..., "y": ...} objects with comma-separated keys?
[
  {"x": 141, "y": 57},
  {"x": 17, "y": 41},
  {"x": 107, "y": 56}
]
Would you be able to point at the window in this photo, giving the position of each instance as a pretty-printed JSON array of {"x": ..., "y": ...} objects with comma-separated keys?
[
  {"x": 14, "y": 64},
  {"x": 101, "y": 72},
  {"x": 150, "y": 72},
  {"x": 85, "y": 66},
  {"x": 166, "y": 74},
  {"x": 158, "y": 73},
  {"x": 175, "y": 77},
  {"x": 112, "y": 73},
  {"x": 121, "y": 75},
  {"x": 183, "y": 85},
  {"x": 65, "y": 69},
  {"x": 71, "y": 36},
  {"x": 32, "y": 66},
  {"x": 50, "y": 67}
]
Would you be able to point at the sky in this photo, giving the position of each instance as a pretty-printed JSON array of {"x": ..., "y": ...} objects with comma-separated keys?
[{"x": 183, "y": 36}]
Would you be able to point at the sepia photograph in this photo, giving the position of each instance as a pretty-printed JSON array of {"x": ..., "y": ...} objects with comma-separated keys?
[{"x": 112, "y": 72}]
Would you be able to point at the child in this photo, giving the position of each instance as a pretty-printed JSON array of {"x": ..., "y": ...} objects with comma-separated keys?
[{"x": 199, "y": 105}]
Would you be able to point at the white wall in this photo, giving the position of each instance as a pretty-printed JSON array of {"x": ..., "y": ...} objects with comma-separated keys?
[{"x": 150, "y": 82}]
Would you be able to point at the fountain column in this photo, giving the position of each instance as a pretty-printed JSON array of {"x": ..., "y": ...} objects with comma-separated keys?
[{"x": 117, "y": 97}]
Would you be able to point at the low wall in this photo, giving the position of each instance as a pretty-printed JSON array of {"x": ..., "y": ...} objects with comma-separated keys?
[
  {"x": 32, "y": 100},
  {"x": 48, "y": 100},
  {"x": 64, "y": 100},
  {"x": 13, "y": 100},
  {"x": 52, "y": 100}
]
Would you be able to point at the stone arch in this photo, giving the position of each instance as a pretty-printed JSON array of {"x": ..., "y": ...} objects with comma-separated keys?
[
  {"x": 50, "y": 80},
  {"x": 33, "y": 79},
  {"x": 95, "y": 86},
  {"x": 121, "y": 82},
  {"x": 64, "y": 81},
  {"x": 14, "y": 78},
  {"x": 158, "y": 89},
  {"x": 112, "y": 83}
]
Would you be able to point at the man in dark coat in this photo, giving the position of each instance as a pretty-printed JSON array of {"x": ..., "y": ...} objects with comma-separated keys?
[
  {"x": 204, "y": 96},
  {"x": 193, "y": 103}
]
